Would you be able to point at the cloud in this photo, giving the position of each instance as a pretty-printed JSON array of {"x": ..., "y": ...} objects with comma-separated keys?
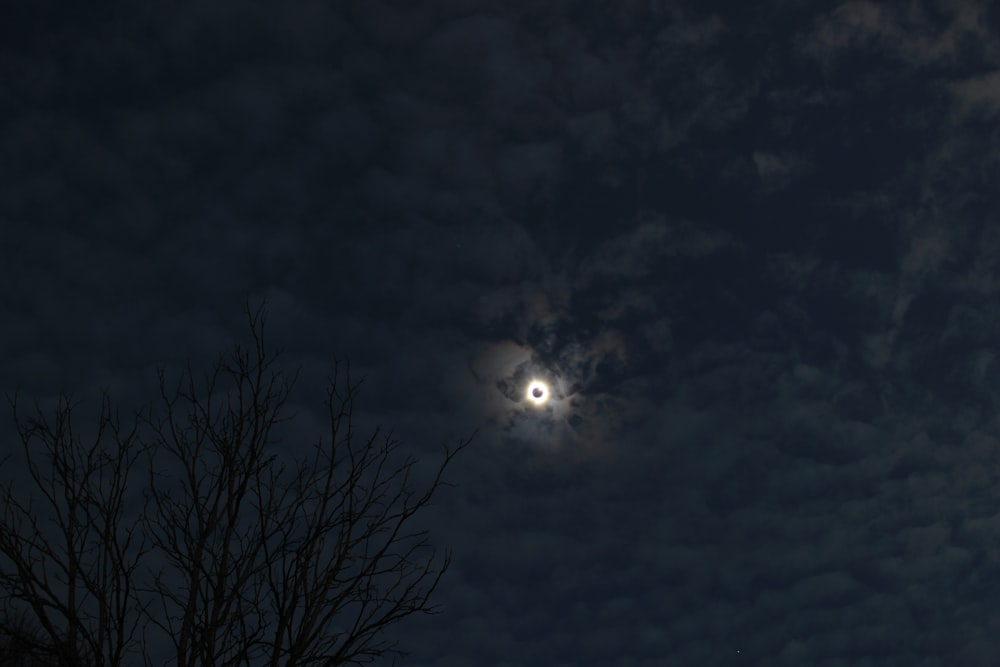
[
  {"x": 907, "y": 34},
  {"x": 777, "y": 171},
  {"x": 636, "y": 253},
  {"x": 773, "y": 419},
  {"x": 978, "y": 94}
]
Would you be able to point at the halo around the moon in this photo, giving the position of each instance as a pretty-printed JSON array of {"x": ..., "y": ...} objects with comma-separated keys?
[{"x": 538, "y": 392}]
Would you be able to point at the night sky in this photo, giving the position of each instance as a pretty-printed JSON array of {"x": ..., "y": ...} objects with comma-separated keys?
[{"x": 749, "y": 246}]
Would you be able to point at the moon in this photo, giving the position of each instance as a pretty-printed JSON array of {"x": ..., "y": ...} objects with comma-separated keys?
[{"x": 538, "y": 392}]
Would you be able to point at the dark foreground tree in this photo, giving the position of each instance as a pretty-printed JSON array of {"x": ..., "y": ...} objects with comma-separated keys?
[{"x": 187, "y": 525}]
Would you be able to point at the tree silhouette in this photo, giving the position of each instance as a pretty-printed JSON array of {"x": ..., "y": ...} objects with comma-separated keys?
[{"x": 186, "y": 522}]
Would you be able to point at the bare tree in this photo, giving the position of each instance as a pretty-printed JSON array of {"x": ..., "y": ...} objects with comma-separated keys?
[
  {"x": 236, "y": 556},
  {"x": 68, "y": 559},
  {"x": 24, "y": 645}
]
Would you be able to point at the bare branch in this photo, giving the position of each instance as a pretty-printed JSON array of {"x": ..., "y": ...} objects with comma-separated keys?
[
  {"x": 236, "y": 557},
  {"x": 75, "y": 571}
]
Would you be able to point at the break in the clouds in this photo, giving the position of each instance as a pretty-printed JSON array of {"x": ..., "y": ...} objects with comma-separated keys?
[{"x": 750, "y": 250}]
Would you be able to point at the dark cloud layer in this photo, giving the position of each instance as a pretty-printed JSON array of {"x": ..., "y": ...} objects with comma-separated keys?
[{"x": 750, "y": 248}]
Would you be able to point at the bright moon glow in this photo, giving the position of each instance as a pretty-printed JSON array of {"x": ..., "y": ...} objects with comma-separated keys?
[{"x": 538, "y": 392}]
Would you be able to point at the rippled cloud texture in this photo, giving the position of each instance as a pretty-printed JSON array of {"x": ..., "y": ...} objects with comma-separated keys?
[{"x": 752, "y": 250}]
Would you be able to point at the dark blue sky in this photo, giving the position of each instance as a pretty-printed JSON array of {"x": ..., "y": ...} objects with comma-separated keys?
[{"x": 752, "y": 248}]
